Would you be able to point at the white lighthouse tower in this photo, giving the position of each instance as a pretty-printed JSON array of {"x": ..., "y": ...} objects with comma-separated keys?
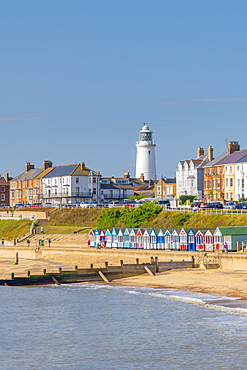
[{"x": 145, "y": 155}]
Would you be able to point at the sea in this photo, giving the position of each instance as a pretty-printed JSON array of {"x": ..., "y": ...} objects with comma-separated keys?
[{"x": 100, "y": 326}]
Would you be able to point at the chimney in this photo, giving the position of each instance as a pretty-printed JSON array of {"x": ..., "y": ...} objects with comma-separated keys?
[
  {"x": 6, "y": 176},
  {"x": 47, "y": 164},
  {"x": 29, "y": 166},
  {"x": 233, "y": 146},
  {"x": 126, "y": 175},
  {"x": 83, "y": 166},
  {"x": 142, "y": 177},
  {"x": 200, "y": 151},
  {"x": 210, "y": 153}
]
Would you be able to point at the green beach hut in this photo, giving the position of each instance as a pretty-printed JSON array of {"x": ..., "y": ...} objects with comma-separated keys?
[{"x": 230, "y": 235}]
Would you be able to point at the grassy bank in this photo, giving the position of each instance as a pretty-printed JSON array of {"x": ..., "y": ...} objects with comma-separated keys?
[
  {"x": 12, "y": 229},
  {"x": 71, "y": 220}
]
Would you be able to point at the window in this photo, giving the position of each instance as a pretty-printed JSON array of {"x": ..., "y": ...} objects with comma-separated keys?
[
  {"x": 94, "y": 180},
  {"x": 2, "y": 188},
  {"x": 94, "y": 190},
  {"x": 231, "y": 196},
  {"x": 231, "y": 182},
  {"x": 2, "y": 197},
  {"x": 158, "y": 190},
  {"x": 77, "y": 180},
  {"x": 226, "y": 182}
]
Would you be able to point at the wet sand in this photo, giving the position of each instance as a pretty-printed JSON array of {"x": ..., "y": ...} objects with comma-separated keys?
[{"x": 225, "y": 282}]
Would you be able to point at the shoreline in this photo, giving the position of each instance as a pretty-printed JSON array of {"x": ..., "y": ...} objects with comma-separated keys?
[
  {"x": 230, "y": 283},
  {"x": 227, "y": 283}
]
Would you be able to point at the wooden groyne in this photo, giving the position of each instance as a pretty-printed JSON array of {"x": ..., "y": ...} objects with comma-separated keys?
[{"x": 107, "y": 274}]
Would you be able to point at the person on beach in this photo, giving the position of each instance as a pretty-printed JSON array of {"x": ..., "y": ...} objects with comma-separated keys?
[
  {"x": 49, "y": 243},
  {"x": 28, "y": 242},
  {"x": 225, "y": 247},
  {"x": 88, "y": 242},
  {"x": 2, "y": 241}
]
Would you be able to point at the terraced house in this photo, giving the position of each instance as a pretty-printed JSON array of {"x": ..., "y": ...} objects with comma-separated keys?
[
  {"x": 225, "y": 178},
  {"x": 26, "y": 187},
  {"x": 71, "y": 183}
]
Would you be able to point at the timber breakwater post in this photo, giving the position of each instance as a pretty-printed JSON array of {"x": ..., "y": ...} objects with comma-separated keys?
[{"x": 107, "y": 274}]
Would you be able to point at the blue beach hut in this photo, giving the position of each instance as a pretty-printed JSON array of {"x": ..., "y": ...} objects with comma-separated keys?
[
  {"x": 168, "y": 239},
  {"x": 96, "y": 238},
  {"x": 126, "y": 238},
  {"x": 160, "y": 240},
  {"x": 108, "y": 239},
  {"x": 191, "y": 241}
]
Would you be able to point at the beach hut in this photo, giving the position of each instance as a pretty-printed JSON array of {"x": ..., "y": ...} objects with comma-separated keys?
[
  {"x": 132, "y": 239},
  {"x": 120, "y": 239},
  {"x": 191, "y": 240},
  {"x": 175, "y": 245},
  {"x": 91, "y": 238},
  {"x": 139, "y": 243},
  {"x": 114, "y": 238},
  {"x": 168, "y": 238},
  {"x": 160, "y": 240},
  {"x": 102, "y": 235},
  {"x": 199, "y": 238},
  {"x": 126, "y": 238},
  {"x": 153, "y": 239},
  {"x": 146, "y": 239},
  {"x": 229, "y": 235},
  {"x": 209, "y": 241},
  {"x": 96, "y": 238},
  {"x": 183, "y": 240},
  {"x": 108, "y": 238}
]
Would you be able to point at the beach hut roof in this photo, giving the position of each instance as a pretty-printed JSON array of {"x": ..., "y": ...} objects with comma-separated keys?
[
  {"x": 231, "y": 230},
  {"x": 191, "y": 232},
  {"x": 209, "y": 233},
  {"x": 108, "y": 232},
  {"x": 182, "y": 232},
  {"x": 146, "y": 233},
  {"x": 91, "y": 232},
  {"x": 199, "y": 233},
  {"x": 126, "y": 232},
  {"x": 160, "y": 233},
  {"x": 132, "y": 233},
  {"x": 153, "y": 233},
  {"x": 175, "y": 232},
  {"x": 167, "y": 233},
  {"x": 120, "y": 232},
  {"x": 102, "y": 232}
]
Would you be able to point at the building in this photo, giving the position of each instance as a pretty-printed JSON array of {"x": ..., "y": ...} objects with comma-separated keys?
[
  {"x": 145, "y": 155},
  {"x": 112, "y": 188},
  {"x": 71, "y": 183},
  {"x": 4, "y": 189},
  {"x": 165, "y": 188},
  {"x": 225, "y": 177},
  {"x": 26, "y": 188},
  {"x": 190, "y": 174}
]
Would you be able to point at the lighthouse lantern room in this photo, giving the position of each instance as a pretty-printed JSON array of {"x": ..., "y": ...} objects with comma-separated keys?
[{"x": 145, "y": 155}]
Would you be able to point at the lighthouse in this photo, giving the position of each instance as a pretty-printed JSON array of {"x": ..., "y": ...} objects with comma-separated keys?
[{"x": 145, "y": 155}]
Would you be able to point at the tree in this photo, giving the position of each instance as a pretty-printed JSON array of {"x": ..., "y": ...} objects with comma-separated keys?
[{"x": 184, "y": 198}]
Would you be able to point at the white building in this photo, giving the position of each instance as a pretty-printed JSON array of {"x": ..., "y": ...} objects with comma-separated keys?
[
  {"x": 145, "y": 155},
  {"x": 190, "y": 174},
  {"x": 70, "y": 184},
  {"x": 112, "y": 188}
]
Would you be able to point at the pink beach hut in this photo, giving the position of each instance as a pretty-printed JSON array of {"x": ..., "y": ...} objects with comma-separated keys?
[{"x": 139, "y": 239}]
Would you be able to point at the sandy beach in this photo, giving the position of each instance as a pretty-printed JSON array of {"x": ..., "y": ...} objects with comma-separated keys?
[{"x": 225, "y": 282}]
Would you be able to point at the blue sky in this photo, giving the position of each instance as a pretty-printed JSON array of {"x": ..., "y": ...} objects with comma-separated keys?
[{"x": 78, "y": 79}]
